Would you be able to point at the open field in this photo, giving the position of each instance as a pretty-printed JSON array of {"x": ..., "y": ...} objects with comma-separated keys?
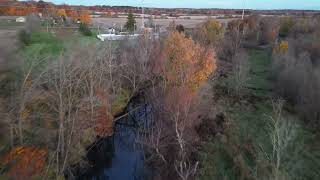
[
  {"x": 10, "y": 24},
  {"x": 7, "y": 22},
  {"x": 119, "y": 22}
]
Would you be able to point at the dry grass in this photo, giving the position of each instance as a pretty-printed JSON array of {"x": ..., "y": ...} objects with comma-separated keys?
[{"x": 119, "y": 22}]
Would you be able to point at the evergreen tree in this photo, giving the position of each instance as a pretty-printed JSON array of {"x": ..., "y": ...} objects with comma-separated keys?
[
  {"x": 180, "y": 28},
  {"x": 130, "y": 23}
]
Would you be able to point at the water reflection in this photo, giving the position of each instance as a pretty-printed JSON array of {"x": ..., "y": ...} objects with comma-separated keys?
[{"x": 127, "y": 162}]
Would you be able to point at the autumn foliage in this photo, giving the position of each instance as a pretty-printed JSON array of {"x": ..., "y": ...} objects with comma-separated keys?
[
  {"x": 104, "y": 118},
  {"x": 24, "y": 162},
  {"x": 186, "y": 63},
  {"x": 74, "y": 15},
  {"x": 61, "y": 13},
  {"x": 211, "y": 32},
  {"x": 85, "y": 17},
  {"x": 19, "y": 10},
  {"x": 282, "y": 47}
]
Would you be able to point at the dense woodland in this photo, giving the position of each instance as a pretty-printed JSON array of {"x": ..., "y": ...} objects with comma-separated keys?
[{"x": 234, "y": 102}]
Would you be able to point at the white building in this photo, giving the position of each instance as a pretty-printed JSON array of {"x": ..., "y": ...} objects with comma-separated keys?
[
  {"x": 21, "y": 19},
  {"x": 114, "y": 37}
]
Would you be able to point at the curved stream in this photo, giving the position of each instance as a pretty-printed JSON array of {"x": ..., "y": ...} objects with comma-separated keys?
[{"x": 120, "y": 157}]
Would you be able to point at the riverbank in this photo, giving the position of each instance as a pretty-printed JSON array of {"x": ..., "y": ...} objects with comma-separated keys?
[{"x": 119, "y": 156}]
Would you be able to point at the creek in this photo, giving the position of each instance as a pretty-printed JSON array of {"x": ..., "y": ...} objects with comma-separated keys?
[{"x": 120, "y": 157}]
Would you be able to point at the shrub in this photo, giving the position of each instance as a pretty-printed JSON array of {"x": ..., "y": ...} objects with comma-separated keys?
[
  {"x": 24, "y": 162},
  {"x": 269, "y": 28},
  {"x": 296, "y": 69},
  {"x": 24, "y": 37},
  {"x": 251, "y": 28},
  {"x": 85, "y": 17},
  {"x": 210, "y": 33},
  {"x": 282, "y": 47},
  {"x": 297, "y": 80},
  {"x": 32, "y": 23},
  {"x": 231, "y": 42},
  {"x": 85, "y": 30},
  {"x": 286, "y": 25},
  {"x": 180, "y": 28},
  {"x": 304, "y": 26}
]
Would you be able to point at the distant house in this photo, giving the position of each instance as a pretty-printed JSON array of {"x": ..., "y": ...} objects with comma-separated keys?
[
  {"x": 21, "y": 19},
  {"x": 114, "y": 37}
]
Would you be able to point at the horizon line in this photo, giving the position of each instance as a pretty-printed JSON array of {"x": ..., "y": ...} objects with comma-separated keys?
[{"x": 198, "y": 8}]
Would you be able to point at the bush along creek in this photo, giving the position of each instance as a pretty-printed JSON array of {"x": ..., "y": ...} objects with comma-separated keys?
[{"x": 119, "y": 156}]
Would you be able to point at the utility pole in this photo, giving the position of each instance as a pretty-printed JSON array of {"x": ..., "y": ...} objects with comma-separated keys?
[
  {"x": 242, "y": 14},
  {"x": 244, "y": 4}
]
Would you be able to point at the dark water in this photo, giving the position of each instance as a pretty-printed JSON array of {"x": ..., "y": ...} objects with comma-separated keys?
[{"x": 120, "y": 157}]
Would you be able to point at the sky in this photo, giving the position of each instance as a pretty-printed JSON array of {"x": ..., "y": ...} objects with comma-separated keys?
[{"x": 236, "y": 4}]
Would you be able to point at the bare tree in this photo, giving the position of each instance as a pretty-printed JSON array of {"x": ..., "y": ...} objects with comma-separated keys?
[
  {"x": 240, "y": 73},
  {"x": 73, "y": 92},
  {"x": 282, "y": 133},
  {"x": 180, "y": 117},
  {"x": 232, "y": 41},
  {"x": 137, "y": 61}
]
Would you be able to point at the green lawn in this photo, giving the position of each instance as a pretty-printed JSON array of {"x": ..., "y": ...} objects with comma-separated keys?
[
  {"x": 6, "y": 24},
  {"x": 45, "y": 44},
  {"x": 259, "y": 73}
]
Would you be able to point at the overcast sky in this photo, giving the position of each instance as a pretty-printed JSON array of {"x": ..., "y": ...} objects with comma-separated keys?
[{"x": 250, "y": 4}]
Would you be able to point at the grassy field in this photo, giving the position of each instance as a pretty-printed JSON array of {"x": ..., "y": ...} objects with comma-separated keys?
[
  {"x": 120, "y": 22},
  {"x": 245, "y": 150},
  {"x": 259, "y": 83},
  {"x": 9, "y": 23}
]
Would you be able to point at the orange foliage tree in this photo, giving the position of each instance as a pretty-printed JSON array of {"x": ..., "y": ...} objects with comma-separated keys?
[
  {"x": 3, "y": 10},
  {"x": 11, "y": 11},
  {"x": 282, "y": 47},
  {"x": 85, "y": 17},
  {"x": 61, "y": 13},
  {"x": 186, "y": 66},
  {"x": 211, "y": 32},
  {"x": 72, "y": 14},
  {"x": 18, "y": 11},
  {"x": 104, "y": 119},
  {"x": 24, "y": 162},
  {"x": 186, "y": 63}
]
